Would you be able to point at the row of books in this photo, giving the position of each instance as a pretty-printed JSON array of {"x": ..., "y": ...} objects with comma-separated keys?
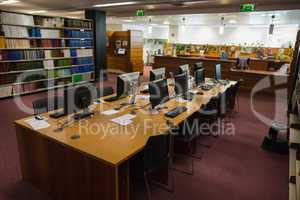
[
  {"x": 15, "y": 31},
  {"x": 77, "y": 23},
  {"x": 13, "y": 18},
  {"x": 49, "y": 21},
  {"x": 20, "y": 43},
  {"x": 47, "y": 64},
  {"x": 79, "y": 43},
  {"x": 7, "y": 55},
  {"x": 78, "y": 34},
  {"x": 39, "y": 43}
]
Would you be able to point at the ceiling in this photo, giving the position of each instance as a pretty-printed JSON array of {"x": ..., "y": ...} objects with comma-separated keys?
[
  {"x": 230, "y": 19},
  {"x": 74, "y": 8}
]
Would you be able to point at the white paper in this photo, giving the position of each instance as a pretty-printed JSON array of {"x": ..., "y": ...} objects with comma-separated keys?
[
  {"x": 37, "y": 124},
  {"x": 110, "y": 112},
  {"x": 124, "y": 119},
  {"x": 123, "y": 122},
  {"x": 194, "y": 91},
  {"x": 181, "y": 100},
  {"x": 143, "y": 97}
]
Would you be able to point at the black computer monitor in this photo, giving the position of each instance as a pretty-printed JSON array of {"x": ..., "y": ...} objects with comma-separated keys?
[
  {"x": 159, "y": 92},
  {"x": 125, "y": 81},
  {"x": 198, "y": 65},
  {"x": 199, "y": 76},
  {"x": 218, "y": 72},
  {"x": 181, "y": 84},
  {"x": 184, "y": 69},
  {"x": 157, "y": 74}
]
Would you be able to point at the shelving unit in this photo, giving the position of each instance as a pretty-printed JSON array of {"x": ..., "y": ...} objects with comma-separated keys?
[{"x": 39, "y": 53}]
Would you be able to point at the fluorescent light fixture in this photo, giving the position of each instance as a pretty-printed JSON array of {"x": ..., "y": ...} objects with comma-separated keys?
[
  {"x": 149, "y": 29},
  {"x": 232, "y": 21},
  {"x": 221, "y": 29},
  {"x": 37, "y": 11},
  {"x": 166, "y": 22},
  {"x": 115, "y": 4},
  {"x": 6, "y": 2}
]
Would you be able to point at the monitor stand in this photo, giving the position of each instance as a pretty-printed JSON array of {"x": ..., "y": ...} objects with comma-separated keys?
[
  {"x": 84, "y": 114},
  {"x": 188, "y": 96}
]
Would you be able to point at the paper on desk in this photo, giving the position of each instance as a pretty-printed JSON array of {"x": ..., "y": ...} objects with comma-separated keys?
[
  {"x": 144, "y": 97},
  {"x": 37, "y": 124},
  {"x": 124, "y": 119},
  {"x": 194, "y": 91},
  {"x": 181, "y": 100},
  {"x": 110, "y": 112}
]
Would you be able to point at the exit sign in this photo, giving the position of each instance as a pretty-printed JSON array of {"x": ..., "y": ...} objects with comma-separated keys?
[
  {"x": 140, "y": 13},
  {"x": 248, "y": 7}
]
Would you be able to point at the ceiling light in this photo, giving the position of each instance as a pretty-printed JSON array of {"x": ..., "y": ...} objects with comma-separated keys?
[
  {"x": 222, "y": 26},
  {"x": 166, "y": 22},
  {"x": 37, "y": 11},
  {"x": 232, "y": 21},
  {"x": 115, "y": 4},
  {"x": 9, "y": 2}
]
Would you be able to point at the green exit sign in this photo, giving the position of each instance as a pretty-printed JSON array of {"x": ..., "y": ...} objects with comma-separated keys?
[
  {"x": 248, "y": 7},
  {"x": 140, "y": 13}
]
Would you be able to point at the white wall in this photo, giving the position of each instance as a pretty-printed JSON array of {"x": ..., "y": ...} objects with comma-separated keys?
[
  {"x": 283, "y": 35},
  {"x": 150, "y": 31}
]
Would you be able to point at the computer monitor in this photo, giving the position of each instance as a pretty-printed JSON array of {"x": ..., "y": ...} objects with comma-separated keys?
[
  {"x": 199, "y": 76},
  {"x": 157, "y": 74},
  {"x": 126, "y": 81},
  {"x": 218, "y": 72},
  {"x": 184, "y": 69},
  {"x": 159, "y": 92},
  {"x": 77, "y": 98},
  {"x": 198, "y": 65},
  {"x": 181, "y": 84}
]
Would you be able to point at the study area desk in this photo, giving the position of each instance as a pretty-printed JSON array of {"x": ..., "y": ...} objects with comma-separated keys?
[{"x": 96, "y": 165}]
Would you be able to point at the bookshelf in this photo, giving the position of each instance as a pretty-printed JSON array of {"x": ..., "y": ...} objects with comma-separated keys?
[{"x": 38, "y": 53}]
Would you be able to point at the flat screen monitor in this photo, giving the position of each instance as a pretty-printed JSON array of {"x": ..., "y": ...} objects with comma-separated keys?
[
  {"x": 125, "y": 81},
  {"x": 121, "y": 51},
  {"x": 159, "y": 92},
  {"x": 218, "y": 72},
  {"x": 181, "y": 84},
  {"x": 198, "y": 65},
  {"x": 157, "y": 74},
  {"x": 184, "y": 69},
  {"x": 199, "y": 76}
]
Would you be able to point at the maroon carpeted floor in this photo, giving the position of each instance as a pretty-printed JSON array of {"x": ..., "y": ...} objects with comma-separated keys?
[{"x": 235, "y": 168}]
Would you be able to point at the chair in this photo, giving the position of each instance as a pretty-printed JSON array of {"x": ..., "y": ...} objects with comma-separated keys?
[
  {"x": 47, "y": 104},
  {"x": 188, "y": 133},
  {"x": 104, "y": 91},
  {"x": 234, "y": 98},
  {"x": 155, "y": 154}
]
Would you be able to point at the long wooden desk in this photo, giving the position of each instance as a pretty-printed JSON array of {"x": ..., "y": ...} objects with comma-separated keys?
[{"x": 96, "y": 165}]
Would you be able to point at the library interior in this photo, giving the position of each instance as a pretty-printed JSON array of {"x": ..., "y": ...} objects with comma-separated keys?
[{"x": 150, "y": 100}]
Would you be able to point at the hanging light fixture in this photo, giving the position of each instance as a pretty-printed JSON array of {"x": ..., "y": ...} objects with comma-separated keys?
[
  {"x": 272, "y": 26},
  {"x": 222, "y": 26},
  {"x": 149, "y": 26}
]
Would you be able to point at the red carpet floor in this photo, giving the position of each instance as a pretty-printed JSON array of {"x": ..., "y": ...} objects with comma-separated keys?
[{"x": 235, "y": 168}]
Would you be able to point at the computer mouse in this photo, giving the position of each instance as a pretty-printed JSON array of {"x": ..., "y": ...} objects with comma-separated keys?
[
  {"x": 199, "y": 93},
  {"x": 39, "y": 117}
]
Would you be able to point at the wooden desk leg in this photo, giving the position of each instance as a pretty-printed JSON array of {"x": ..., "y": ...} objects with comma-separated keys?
[{"x": 123, "y": 181}]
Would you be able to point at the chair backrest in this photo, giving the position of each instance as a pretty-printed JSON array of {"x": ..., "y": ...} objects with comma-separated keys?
[
  {"x": 104, "y": 91},
  {"x": 198, "y": 65},
  {"x": 47, "y": 104},
  {"x": 156, "y": 152}
]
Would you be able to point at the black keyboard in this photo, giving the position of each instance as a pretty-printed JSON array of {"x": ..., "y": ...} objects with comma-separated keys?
[
  {"x": 114, "y": 98},
  {"x": 176, "y": 111},
  {"x": 206, "y": 87}
]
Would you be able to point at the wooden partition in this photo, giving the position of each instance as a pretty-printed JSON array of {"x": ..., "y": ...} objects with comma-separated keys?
[
  {"x": 132, "y": 60},
  {"x": 250, "y": 77}
]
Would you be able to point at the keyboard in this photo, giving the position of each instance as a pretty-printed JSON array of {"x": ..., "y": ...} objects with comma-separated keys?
[
  {"x": 206, "y": 87},
  {"x": 114, "y": 98},
  {"x": 56, "y": 115},
  {"x": 223, "y": 82},
  {"x": 176, "y": 111}
]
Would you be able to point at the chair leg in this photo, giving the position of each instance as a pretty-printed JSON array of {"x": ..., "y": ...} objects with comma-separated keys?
[
  {"x": 188, "y": 172},
  {"x": 164, "y": 186},
  {"x": 147, "y": 185},
  {"x": 191, "y": 151}
]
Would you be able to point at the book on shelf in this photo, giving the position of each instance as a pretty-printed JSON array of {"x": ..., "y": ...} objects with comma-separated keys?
[
  {"x": 16, "y": 18},
  {"x": 17, "y": 43},
  {"x": 15, "y": 31}
]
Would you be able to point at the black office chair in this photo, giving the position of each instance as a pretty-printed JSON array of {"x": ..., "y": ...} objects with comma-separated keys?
[
  {"x": 234, "y": 98},
  {"x": 104, "y": 91},
  {"x": 188, "y": 133},
  {"x": 156, "y": 154},
  {"x": 47, "y": 104}
]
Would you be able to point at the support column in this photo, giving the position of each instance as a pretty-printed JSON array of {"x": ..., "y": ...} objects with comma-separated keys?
[{"x": 99, "y": 18}]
